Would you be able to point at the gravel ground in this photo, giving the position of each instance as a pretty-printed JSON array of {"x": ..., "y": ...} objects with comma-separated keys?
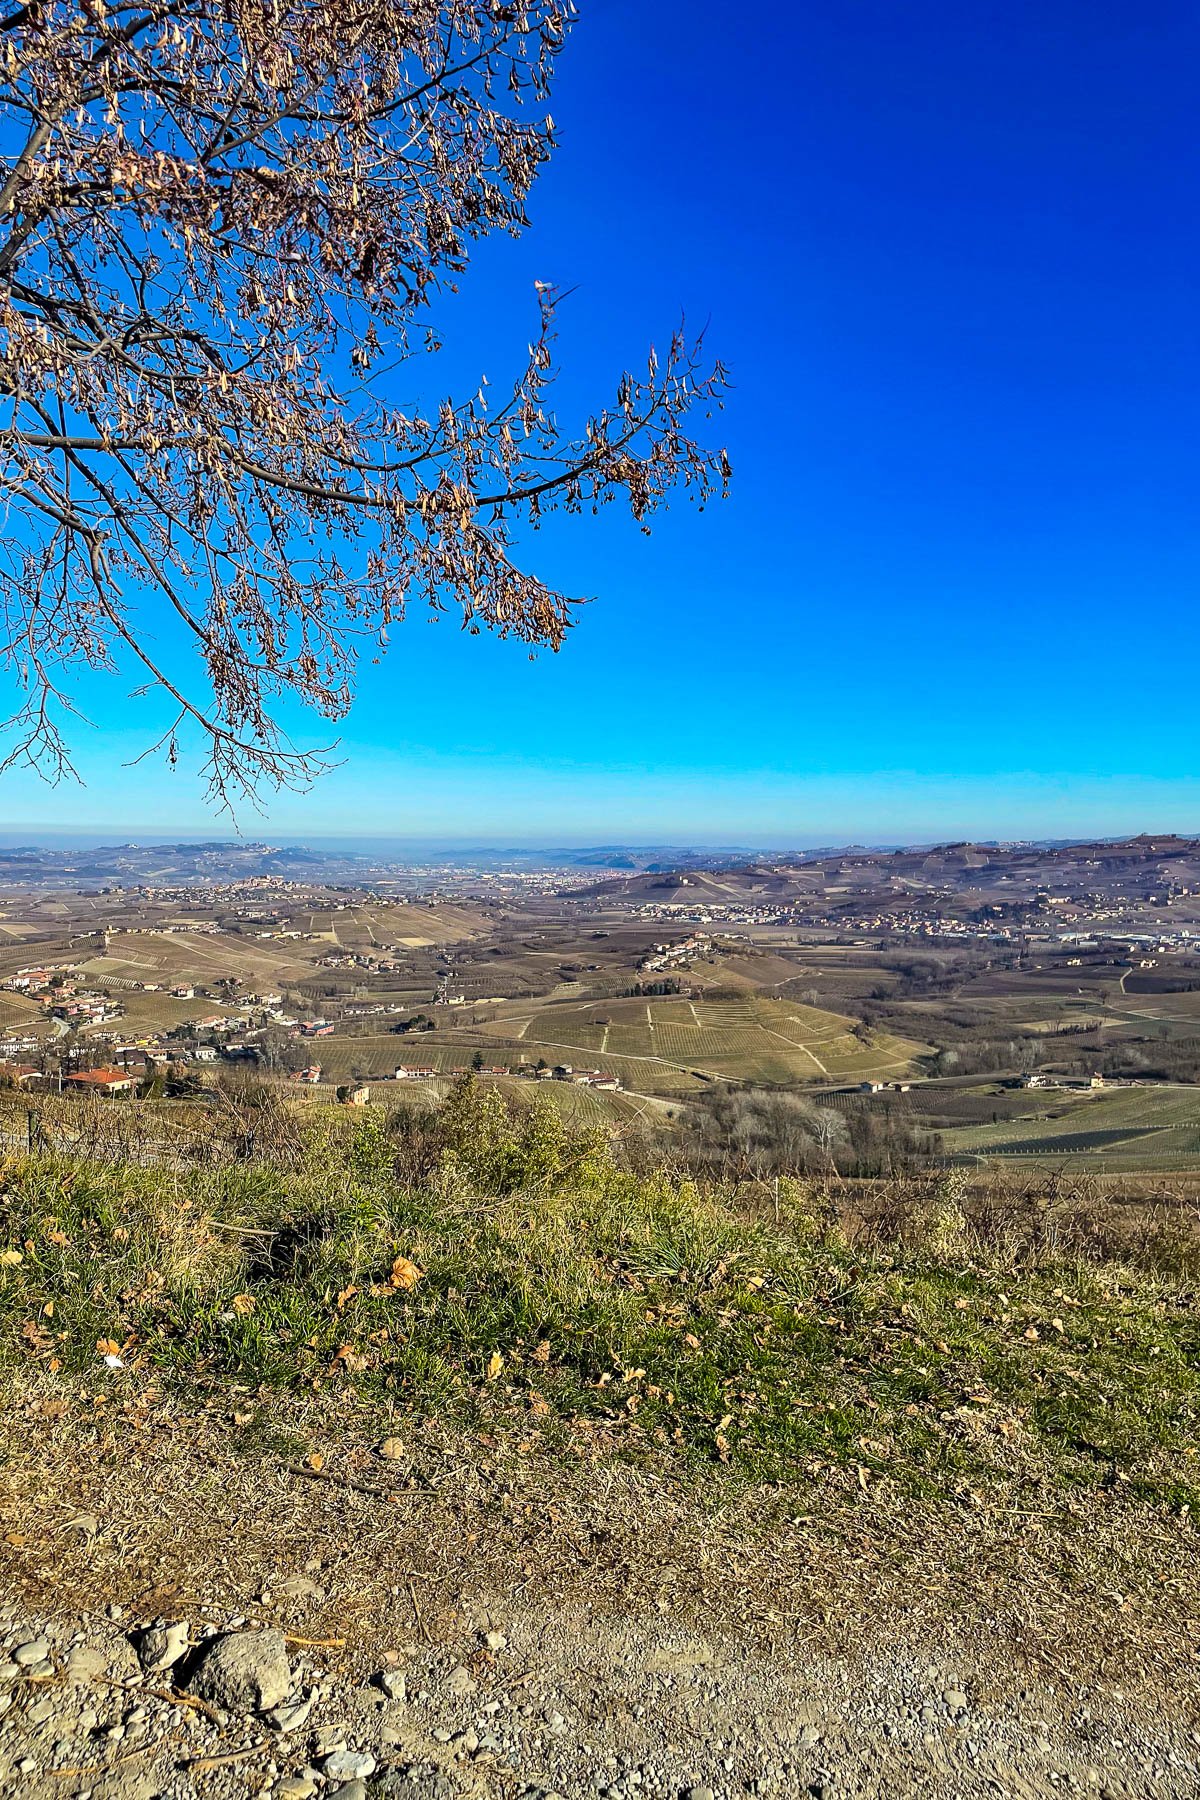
[
  {"x": 184, "y": 1619},
  {"x": 541, "y": 1704}
]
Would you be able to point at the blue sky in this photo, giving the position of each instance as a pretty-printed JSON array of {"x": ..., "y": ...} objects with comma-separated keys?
[{"x": 950, "y": 256}]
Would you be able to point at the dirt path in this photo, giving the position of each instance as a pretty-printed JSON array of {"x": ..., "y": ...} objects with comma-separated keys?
[
  {"x": 795, "y": 1046},
  {"x": 584, "y": 1631}
]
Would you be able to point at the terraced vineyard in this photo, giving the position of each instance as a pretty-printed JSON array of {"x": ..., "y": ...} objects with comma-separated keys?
[
  {"x": 657, "y": 1046},
  {"x": 200, "y": 957},
  {"x": 665, "y": 1044}
]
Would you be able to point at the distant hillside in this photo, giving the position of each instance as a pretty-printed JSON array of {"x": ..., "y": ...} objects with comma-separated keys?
[
  {"x": 1006, "y": 870},
  {"x": 755, "y": 885}
]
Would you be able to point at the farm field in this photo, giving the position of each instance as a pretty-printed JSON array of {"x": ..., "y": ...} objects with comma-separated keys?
[
  {"x": 17, "y": 930},
  {"x": 42, "y": 951},
  {"x": 772, "y": 1041},
  {"x": 18, "y": 1014},
  {"x": 1140, "y": 1125},
  {"x": 413, "y": 927},
  {"x": 377, "y": 1057},
  {"x": 1166, "y": 1012},
  {"x": 201, "y": 957}
]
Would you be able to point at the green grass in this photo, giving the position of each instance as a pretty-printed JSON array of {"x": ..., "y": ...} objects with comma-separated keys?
[{"x": 561, "y": 1294}]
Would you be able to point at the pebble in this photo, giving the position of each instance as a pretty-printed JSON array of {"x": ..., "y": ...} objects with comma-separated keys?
[
  {"x": 348, "y": 1765},
  {"x": 37, "y": 1650},
  {"x": 297, "y": 1787},
  {"x": 85, "y": 1662},
  {"x": 727, "y": 1730},
  {"x": 292, "y": 1716},
  {"x": 161, "y": 1647}
]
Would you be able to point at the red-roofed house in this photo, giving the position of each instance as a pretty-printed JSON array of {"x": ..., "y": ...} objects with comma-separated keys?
[{"x": 103, "y": 1081}]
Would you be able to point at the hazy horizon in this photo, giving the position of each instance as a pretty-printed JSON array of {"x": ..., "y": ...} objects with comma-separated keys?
[{"x": 411, "y": 845}]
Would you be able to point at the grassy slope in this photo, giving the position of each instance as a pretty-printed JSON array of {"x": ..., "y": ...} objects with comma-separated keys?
[{"x": 560, "y": 1295}]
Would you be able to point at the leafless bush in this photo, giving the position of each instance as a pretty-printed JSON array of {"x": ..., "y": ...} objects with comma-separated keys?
[{"x": 1022, "y": 1220}]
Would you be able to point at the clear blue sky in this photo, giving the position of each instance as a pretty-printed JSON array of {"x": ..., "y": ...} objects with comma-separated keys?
[{"x": 950, "y": 254}]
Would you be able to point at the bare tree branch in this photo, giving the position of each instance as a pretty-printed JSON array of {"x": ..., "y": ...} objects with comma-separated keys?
[{"x": 218, "y": 235}]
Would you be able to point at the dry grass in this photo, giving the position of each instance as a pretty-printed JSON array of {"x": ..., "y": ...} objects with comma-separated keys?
[
  {"x": 941, "y": 1339},
  {"x": 195, "y": 1508}
]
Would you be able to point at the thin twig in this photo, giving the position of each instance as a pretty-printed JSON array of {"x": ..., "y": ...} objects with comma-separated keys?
[{"x": 421, "y": 1625}]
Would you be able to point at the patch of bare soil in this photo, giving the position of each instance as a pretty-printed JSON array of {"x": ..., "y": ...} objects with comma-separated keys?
[{"x": 571, "y": 1625}]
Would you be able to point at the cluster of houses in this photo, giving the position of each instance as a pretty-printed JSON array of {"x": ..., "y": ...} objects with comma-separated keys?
[
  {"x": 718, "y": 912},
  {"x": 1059, "y": 1081},
  {"x": 668, "y": 956},
  {"x": 360, "y": 959},
  {"x": 594, "y": 1078},
  {"x": 62, "y": 997}
]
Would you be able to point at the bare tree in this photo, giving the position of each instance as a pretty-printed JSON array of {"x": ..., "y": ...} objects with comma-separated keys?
[
  {"x": 220, "y": 224},
  {"x": 830, "y": 1130}
]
